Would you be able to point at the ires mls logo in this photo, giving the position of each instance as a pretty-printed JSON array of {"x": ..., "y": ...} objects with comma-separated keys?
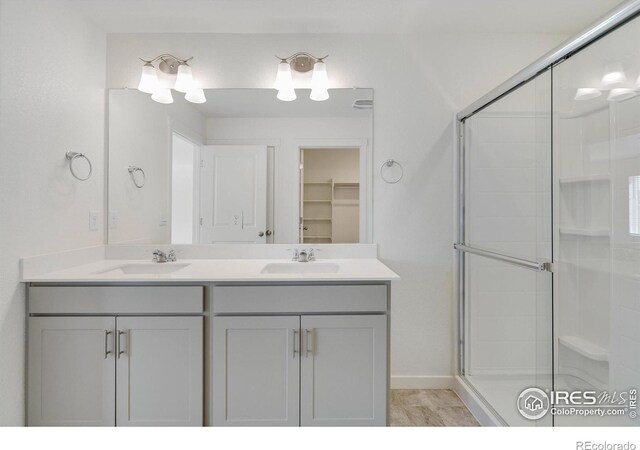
[{"x": 534, "y": 403}]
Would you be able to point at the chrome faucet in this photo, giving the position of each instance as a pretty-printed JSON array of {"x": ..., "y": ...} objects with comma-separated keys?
[
  {"x": 161, "y": 257},
  {"x": 303, "y": 255}
]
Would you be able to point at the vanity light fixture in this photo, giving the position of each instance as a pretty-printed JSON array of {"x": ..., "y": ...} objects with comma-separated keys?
[
  {"x": 302, "y": 62},
  {"x": 175, "y": 74}
]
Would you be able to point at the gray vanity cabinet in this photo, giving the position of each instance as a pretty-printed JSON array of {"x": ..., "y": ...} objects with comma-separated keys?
[
  {"x": 119, "y": 363},
  {"x": 72, "y": 371},
  {"x": 343, "y": 370},
  {"x": 256, "y": 371},
  {"x": 322, "y": 364},
  {"x": 159, "y": 371}
]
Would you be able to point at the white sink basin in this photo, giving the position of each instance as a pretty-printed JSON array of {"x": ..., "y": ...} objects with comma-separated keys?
[
  {"x": 293, "y": 268},
  {"x": 145, "y": 268}
]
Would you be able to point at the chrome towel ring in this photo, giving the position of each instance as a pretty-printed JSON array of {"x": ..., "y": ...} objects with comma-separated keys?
[
  {"x": 388, "y": 164},
  {"x": 132, "y": 171},
  {"x": 71, "y": 157}
]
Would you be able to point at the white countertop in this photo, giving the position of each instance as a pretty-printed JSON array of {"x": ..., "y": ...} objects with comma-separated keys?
[{"x": 217, "y": 270}]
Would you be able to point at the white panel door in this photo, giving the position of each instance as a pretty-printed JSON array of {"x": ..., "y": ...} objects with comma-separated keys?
[
  {"x": 159, "y": 371},
  {"x": 343, "y": 370},
  {"x": 257, "y": 371},
  {"x": 71, "y": 371},
  {"x": 234, "y": 194}
]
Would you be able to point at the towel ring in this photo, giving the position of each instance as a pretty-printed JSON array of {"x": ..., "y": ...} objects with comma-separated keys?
[
  {"x": 391, "y": 163},
  {"x": 72, "y": 156},
  {"x": 132, "y": 171}
]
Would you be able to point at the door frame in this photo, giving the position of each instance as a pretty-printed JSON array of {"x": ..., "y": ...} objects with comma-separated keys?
[
  {"x": 366, "y": 179},
  {"x": 186, "y": 132}
]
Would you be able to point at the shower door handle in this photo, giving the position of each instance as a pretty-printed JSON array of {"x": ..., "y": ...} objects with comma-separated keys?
[{"x": 524, "y": 263}]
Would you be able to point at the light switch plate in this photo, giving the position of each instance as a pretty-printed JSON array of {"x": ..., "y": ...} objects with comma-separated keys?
[
  {"x": 94, "y": 220},
  {"x": 113, "y": 219}
]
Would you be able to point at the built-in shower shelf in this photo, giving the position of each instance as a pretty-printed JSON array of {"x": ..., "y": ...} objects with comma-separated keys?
[
  {"x": 584, "y": 232},
  {"x": 584, "y": 348},
  {"x": 585, "y": 179}
]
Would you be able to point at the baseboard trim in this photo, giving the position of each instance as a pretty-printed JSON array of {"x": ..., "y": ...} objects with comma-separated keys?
[
  {"x": 483, "y": 415},
  {"x": 422, "y": 382}
]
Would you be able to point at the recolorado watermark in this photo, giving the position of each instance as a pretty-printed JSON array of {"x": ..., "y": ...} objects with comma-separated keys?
[
  {"x": 534, "y": 403},
  {"x": 589, "y": 445}
]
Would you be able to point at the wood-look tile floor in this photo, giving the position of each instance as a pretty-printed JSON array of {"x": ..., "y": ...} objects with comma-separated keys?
[{"x": 429, "y": 408}]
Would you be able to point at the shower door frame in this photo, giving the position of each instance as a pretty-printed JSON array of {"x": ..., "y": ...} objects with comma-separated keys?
[{"x": 617, "y": 17}]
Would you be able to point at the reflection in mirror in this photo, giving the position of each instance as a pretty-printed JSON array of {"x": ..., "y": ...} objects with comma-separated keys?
[
  {"x": 241, "y": 168},
  {"x": 330, "y": 195}
]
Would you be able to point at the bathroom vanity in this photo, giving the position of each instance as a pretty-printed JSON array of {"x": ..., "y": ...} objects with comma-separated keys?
[{"x": 210, "y": 342}]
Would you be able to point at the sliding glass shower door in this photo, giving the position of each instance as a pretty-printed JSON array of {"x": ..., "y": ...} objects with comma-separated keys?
[
  {"x": 549, "y": 242},
  {"x": 597, "y": 237},
  {"x": 507, "y": 232}
]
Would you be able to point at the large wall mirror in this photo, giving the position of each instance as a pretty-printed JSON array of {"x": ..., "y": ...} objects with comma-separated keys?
[{"x": 241, "y": 168}]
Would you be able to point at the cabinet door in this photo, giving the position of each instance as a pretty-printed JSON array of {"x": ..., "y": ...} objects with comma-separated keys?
[
  {"x": 159, "y": 371},
  {"x": 71, "y": 371},
  {"x": 256, "y": 371},
  {"x": 344, "y": 370}
]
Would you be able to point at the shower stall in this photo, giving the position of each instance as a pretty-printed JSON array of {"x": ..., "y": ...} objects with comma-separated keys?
[{"x": 548, "y": 239}]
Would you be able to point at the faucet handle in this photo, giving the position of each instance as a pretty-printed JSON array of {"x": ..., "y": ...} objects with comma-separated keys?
[
  {"x": 171, "y": 256},
  {"x": 296, "y": 254},
  {"x": 311, "y": 255}
]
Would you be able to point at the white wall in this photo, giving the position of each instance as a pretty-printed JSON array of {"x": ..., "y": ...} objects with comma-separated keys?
[
  {"x": 140, "y": 134},
  {"x": 419, "y": 82},
  {"x": 52, "y": 101},
  {"x": 286, "y": 135}
]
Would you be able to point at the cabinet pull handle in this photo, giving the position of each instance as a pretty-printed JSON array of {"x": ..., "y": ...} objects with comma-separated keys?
[
  {"x": 308, "y": 348},
  {"x": 106, "y": 343},
  {"x": 120, "y": 351},
  {"x": 295, "y": 350}
]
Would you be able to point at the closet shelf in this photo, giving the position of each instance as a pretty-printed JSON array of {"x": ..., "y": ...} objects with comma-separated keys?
[
  {"x": 585, "y": 179},
  {"x": 306, "y": 236},
  {"x": 317, "y": 201},
  {"x": 323, "y": 183},
  {"x": 584, "y": 348},
  {"x": 318, "y": 219},
  {"x": 584, "y": 232}
]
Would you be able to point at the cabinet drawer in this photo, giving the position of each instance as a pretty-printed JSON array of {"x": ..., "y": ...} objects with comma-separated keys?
[
  {"x": 116, "y": 300},
  {"x": 299, "y": 299}
]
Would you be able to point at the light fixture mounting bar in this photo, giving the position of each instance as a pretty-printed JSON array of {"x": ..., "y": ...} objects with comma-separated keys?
[
  {"x": 302, "y": 61},
  {"x": 168, "y": 63}
]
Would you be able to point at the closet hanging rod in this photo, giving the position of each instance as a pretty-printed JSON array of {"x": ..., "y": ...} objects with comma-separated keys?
[
  {"x": 597, "y": 29},
  {"x": 525, "y": 263}
]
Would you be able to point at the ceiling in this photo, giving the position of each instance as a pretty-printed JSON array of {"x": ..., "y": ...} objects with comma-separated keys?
[{"x": 342, "y": 16}]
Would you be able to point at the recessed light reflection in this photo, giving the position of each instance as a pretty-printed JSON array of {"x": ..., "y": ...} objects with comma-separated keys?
[
  {"x": 587, "y": 93},
  {"x": 619, "y": 94}
]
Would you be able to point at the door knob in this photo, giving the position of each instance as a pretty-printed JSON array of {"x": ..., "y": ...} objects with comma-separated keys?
[
  {"x": 261, "y": 233},
  {"x": 269, "y": 232}
]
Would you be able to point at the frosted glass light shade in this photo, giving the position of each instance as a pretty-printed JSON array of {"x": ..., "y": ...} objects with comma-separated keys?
[
  {"x": 587, "y": 93},
  {"x": 162, "y": 95},
  {"x": 613, "y": 76},
  {"x": 184, "y": 79},
  {"x": 286, "y": 95},
  {"x": 148, "y": 79},
  {"x": 284, "y": 79},
  {"x": 195, "y": 95},
  {"x": 319, "y": 82},
  {"x": 619, "y": 94}
]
